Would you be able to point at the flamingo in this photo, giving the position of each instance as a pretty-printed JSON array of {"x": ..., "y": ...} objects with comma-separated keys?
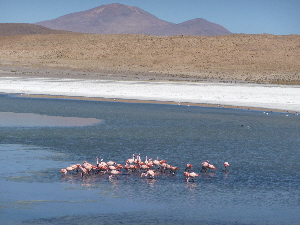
[
  {"x": 163, "y": 161},
  {"x": 131, "y": 161},
  {"x": 212, "y": 167},
  {"x": 163, "y": 166},
  {"x": 156, "y": 162},
  {"x": 74, "y": 166},
  {"x": 102, "y": 163},
  {"x": 89, "y": 167},
  {"x": 144, "y": 167},
  {"x": 85, "y": 163},
  {"x": 117, "y": 167},
  {"x": 189, "y": 175},
  {"x": 97, "y": 161},
  {"x": 102, "y": 168},
  {"x": 147, "y": 161},
  {"x": 83, "y": 170},
  {"x": 150, "y": 173},
  {"x": 205, "y": 166},
  {"x": 113, "y": 173},
  {"x": 172, "y": 168},
  {"x": 70, "y": 168},
  {"x": 150, "y": 162},
  {"x": 226, "y": 164},
  {"x": 111, "y": 163},
  {"x": 63, "y": 171},
  {"x": 130, "y": 167},
  {"x": 188, "y": 167},
  {"x": 138, "y": 159}
]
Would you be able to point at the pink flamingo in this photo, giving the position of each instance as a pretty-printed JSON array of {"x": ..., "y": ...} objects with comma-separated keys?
[
  {"x": 150, "y": 173},
  {"x": 163, "y": 166},
  {"x": 212, "y": 167},
  {"x": 191, "y": 175},
  {"x": 117, "y": 167},
  {"x": 83, "y": 170},
  {"x": 130, "y": 167},
  {"x": 172, "y": 169},
  {"x": 138, "y": 159},
  {"x": 69, "y": 169},
  {"x": 131, "y": 161},
  {"x": 156, "y": 162},
  {"x": 101, "y": 163},
  {"x": 63, "y": 171},
  {"x": 144, "y": 167},
  {"x": 149, "y": 163},
  {"x": 163, "y": 161},
  {"x": 89, "y": 167},
  {"x": 226, "y": 164},
  {"x": 206, "y": 166},
  {"x": 188, "y": 167},
  {"x": 102, "y": 169},
  {"x": 111, "y": 163},
  {"x": 113, "y": 173}
]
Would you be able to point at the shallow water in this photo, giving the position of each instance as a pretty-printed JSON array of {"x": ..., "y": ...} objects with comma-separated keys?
[{"x": 261, "y": 187}]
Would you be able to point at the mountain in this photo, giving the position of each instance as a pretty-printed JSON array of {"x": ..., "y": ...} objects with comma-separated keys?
[
  {"x": 122, "y": 19},
  {"x": 12, "y": 29},
  {"x": 197, "y": 26},
  {"x": 107, "y": 19}
]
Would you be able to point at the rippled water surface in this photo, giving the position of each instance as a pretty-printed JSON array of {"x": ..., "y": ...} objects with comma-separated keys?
[{"x": 261, "y": 187}]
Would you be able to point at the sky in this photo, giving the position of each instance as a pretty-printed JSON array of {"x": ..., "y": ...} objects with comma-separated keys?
[{"x": 279, "y": 17}]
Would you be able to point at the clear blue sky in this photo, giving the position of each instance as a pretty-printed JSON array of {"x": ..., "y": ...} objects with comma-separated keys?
[{"x": 280, "y": 17}]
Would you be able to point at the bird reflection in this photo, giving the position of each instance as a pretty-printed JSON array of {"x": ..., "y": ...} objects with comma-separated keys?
[
  {"x": 226, "y": 174},
  {"x": 115, "y": 182},
  {"x": 191, "y": 185},
  {"x": 150, "y": 182}
]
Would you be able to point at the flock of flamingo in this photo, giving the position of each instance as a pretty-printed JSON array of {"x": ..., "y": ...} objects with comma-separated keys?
[{"x": 148, "y": 168}]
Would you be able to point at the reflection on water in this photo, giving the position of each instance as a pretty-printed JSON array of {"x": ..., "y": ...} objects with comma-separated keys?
[{"x": 256, "y": 190}]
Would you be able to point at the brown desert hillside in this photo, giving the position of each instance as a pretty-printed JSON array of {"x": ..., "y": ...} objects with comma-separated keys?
[
  {"x": 12, "y": 29},
  {"x": 240, "y": 57}
]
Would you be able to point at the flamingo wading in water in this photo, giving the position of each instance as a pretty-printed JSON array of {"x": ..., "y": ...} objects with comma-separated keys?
[
  {"x": 191, "y": 175},
  {"x": 226, "y": 164},
  {"x": 150, "y": 173}
]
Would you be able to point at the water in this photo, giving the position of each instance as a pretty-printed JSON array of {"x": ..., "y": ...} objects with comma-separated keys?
[{"x": 261, "y": 187}]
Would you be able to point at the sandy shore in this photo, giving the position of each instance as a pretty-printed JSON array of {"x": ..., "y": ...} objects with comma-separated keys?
[{"x": 240, "y": 95}]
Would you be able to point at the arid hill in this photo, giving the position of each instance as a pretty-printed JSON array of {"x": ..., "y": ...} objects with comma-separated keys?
[
  {"x": 11, "y": 29},
  {"x": 122, "y": 19},
  {"x": 237, "y": 57}
]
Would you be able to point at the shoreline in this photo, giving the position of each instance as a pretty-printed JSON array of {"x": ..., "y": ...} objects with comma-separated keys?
[
  {"x": 47, "y": 83},
  {"x": 153, "y": 102},
  {"x": 240, "y": 96}
]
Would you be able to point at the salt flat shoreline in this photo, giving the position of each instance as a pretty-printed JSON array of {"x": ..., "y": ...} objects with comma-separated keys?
[{"x": 237, "y": 95}]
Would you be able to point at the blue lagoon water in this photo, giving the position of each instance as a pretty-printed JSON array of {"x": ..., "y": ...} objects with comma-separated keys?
[{"x": 261, "y": 187}]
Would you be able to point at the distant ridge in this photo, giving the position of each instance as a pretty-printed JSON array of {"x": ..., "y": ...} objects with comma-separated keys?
[
  {"x": 122, "y": 19},
  {"x": 197, "y": 26},
  {"x": 12, "y": 29}
]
